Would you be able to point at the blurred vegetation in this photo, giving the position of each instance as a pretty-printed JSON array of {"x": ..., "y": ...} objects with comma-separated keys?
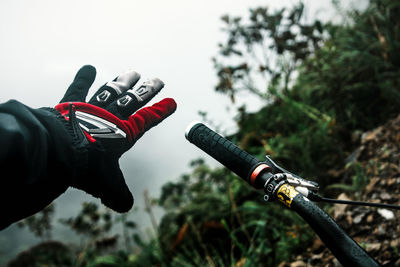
[
  {"x": 40, "y": 223},
  {"x": 323, "y": 84}
]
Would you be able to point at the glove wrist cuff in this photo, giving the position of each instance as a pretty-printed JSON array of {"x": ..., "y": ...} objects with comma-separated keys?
[{"x": 78, "y": 142}]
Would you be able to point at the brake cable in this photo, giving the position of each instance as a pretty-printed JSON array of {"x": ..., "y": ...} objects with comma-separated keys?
[
  {"x": 309, "y": 188},
  {"x": 318, "y": 198}
]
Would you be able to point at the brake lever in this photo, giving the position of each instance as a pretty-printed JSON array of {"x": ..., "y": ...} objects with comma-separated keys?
[{"x": 281, "y": 175}]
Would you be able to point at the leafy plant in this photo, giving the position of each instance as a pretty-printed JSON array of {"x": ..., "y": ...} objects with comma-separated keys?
[
  {"x": 40, "y": 224},
  {"x": 221, "y": 220}
]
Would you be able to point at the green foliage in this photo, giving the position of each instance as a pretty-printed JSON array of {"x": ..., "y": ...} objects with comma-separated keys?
[
  {"x": 321, "y": 83},
  {"x": 40, "y": 224},
  {"x": 100, "y": 248},
  {"x": 359, "y": 179},
  {"x": 219, "y": 220},
  {"x": 265, "y": 46},
  {"x": 90, "y": 222},
  {"x": 48, "y": 253},
  {"x": 355, "y": 75}
]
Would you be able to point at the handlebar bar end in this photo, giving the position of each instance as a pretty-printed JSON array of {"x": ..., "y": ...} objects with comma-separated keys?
[{"x": 191, "y": 126}]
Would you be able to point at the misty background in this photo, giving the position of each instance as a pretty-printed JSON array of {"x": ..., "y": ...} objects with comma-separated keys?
[{"x": 44, "y": 43}]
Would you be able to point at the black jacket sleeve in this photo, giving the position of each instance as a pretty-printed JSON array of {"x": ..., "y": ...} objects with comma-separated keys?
[{"x": 38, "y": 159}]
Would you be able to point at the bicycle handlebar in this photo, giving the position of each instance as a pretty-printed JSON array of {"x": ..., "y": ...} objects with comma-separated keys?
[
  {"x": 342, "y": 246},
  {"x": 223, "y": 150},
  {"x": 345, "y": 249}
]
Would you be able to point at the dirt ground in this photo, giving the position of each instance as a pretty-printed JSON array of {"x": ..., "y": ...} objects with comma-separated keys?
[{"x": 377, "y": 230}]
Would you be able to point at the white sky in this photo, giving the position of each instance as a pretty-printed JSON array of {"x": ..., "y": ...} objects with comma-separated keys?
[{"x": 44, "y": 42}]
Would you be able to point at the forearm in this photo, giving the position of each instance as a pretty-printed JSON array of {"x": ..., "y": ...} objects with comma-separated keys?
[
  {"x": 37, "y": 160},
  {"x": 78, "y": 143}
]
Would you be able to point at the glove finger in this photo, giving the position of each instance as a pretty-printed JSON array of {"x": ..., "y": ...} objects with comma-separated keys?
[
  {"x": 111, "y": 90},
  {"x": 148, "y": 117},
  {"x": 79, "y": 88},
  {"x": 132, "y": 100}
]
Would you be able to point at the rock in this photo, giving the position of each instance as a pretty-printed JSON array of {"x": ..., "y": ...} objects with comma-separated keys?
[
  {"x": 317, "y": 256},
  {"x": 371, "y": 135},
  {"x": 356, "y": 136},
  {"x": 298, "y": 264},
  {"x": 349, "y": 219},
  {"x": 387, "y": 214},
  {"x": 397, "y": 138},
  {"x": 374, "y": 198},
  {"x": 391, "y": 181},
  {"x": 317, "y": 246},
  {"x": 395, "y": 243},
  {"x": 379, "y": 231},
  {"x": 316, "y": 259},
  {"x": 373, "y": 247},
  {"x": 339, "y": 209},
  {"x": 385, "y": 196},
  {"x": 370, "y": 218},
  {"x": 371, "y": 184},
  {"x": 336, "y": 263},
  {"x": 395, "y": 167},
  {"x": 358, "y": 218}
]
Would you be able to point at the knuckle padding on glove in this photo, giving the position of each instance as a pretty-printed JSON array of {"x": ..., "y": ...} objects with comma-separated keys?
[
  {"x": 63, "y": 108},
  {"x": 136, "y": 125},
  {"x": 123, "y": 110},
  {"x": 103, "y": 97}
]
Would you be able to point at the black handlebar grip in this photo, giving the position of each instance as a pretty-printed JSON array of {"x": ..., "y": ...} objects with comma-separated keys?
[
  {"x": 343, "y": 247},
  {"x": 221, "y": 149}
]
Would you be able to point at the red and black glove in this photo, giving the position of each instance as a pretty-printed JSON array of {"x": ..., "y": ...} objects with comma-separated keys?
[{"x": 107, "y": 126}]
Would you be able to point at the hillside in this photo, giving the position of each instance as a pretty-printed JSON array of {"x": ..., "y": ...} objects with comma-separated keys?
[{"x": 376, "y": 229}]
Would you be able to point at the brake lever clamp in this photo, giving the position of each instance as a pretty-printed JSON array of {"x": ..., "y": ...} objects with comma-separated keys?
[
  {"x": 281, "y": 176},
  {"x": 272, "y": 185}
]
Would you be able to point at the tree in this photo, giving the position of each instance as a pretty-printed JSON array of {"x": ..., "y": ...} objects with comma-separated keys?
[
  {"x": 40, "y": 224},
  {"x": 323, "y": 83},
  {"x": 266, "y": 48}
]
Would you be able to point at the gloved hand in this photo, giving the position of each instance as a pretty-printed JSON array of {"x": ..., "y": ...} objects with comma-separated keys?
[{"x": 106, "y": 128}]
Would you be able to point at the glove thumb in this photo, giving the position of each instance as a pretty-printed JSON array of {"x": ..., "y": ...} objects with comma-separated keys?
[{"x": 115, "y": 194}]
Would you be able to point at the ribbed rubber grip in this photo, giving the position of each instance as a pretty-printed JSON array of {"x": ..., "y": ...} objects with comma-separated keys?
[
  {"x": 221, "y": 149},
  {"x": 343, "y": 247}
]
